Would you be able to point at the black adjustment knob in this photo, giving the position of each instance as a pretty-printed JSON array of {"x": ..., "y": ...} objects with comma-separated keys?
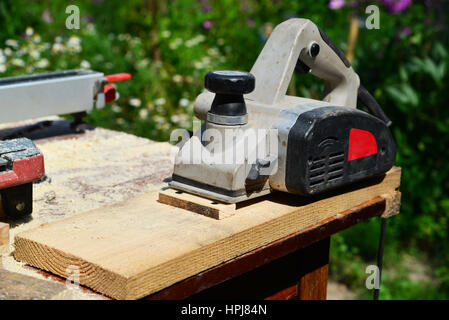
[
  {"x": 229, "y": 88},
  {"x": 314, "y": 49}
]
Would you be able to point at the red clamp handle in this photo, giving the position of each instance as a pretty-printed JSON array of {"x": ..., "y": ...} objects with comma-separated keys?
[
  {"x": 118, "y": 77},
  {"x": 109, "y": 93},
  {"x": 109, "y": 90}
]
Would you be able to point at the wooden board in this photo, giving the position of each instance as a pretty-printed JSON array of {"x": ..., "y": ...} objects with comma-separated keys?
[
  {"x": 4, "y": 237},
  {"x": 191, "y": 202},
  {"x": 231, "y": 270},
  {"x": 140, "y": 246}
]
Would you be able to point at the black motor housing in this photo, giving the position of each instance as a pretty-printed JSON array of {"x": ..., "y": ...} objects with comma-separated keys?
[{"x": 329, "y": 147}]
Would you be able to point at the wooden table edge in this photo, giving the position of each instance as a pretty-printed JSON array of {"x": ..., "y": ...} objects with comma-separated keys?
[{"x": 270, "y": 252}]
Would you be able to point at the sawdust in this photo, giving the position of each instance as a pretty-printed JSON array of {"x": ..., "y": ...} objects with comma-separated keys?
[
  {"x": 85, "y": 172},
  {"x": 75, "y": 294}
]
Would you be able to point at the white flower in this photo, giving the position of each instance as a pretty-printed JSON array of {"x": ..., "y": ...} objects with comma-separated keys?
[
  {"x": 166, "y": 34},
  {"x": 135, "y": 102},
  {"x": 44, "y": 46},
  {"x": 2, "y": 59},
  {"x": 190, "y": 43},
  {"x": 12, "y": 43},
  {"x": 90, "y": 28},
  {"x": 194, "y": 41},
  {"x": 206, "y": 60},
  {"x": 73, "y": 41},
  {"x": 143, "y": 63},
  {"x": 184, "y": 102},
  {"x": 29, "y": 31},
  {"x": 18, "y": 62},
  {"x": 2, "y": 68},
  {"x": 160, "y": 101},
  {"x": 20, "y": 53},
  {"x": 213, "y": 51},
  {"x": 35, "y": 54},
  {"x": 42, "y": 63},
  {"x": 116, "y": 108},
  {"x": 85, "y": 64},
  {"x": 37, "y": 38},
  {"x": 175, "y": 118},
  {"x": 198, "y": 65},
  {"x": 57, "y": 47},
  {"x": 123, "y": 37},
  {"x": 175, "y": 43},
  {"x": 177, "y": 78},
  {"x": 143, "y": 114},
  {"x": 159, "y": 119},
  {"x": 74, "y": 44}
]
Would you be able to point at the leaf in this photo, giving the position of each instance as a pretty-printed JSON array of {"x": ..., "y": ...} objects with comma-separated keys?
[
  {"x": 440, "y": 50},
  {"x": 403, "y": 74},
  {"x": 397, "y": 95},
  {"x": 405, "y": 94},
  {"x": 410, "y": 93}
]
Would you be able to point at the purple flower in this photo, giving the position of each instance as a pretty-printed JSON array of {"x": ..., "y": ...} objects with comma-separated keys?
[
  {"x": 406, "y": 31},
  {"x": 251, "y": 22},
  {"x": 46, "y": 16},
  {"x": 208, "y": 24},
  {"x": 396, "y": 6},
  {"x": 205, "y": 6},
  {"x": 336, "y": 4}
]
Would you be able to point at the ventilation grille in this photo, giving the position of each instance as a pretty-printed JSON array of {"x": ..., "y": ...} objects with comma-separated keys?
[{"x": 324, "y": 169}]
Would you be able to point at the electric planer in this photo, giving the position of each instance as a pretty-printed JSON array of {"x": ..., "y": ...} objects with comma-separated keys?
[{"x": 256, "y": 139}]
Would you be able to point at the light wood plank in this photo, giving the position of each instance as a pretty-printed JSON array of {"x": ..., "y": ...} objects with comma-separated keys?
[
  {"x": 4, "y": 237},
  {"x": 140, "y": 246},
  {"x": 393, "y": 205},
  {"x": 191, "y": 202}
]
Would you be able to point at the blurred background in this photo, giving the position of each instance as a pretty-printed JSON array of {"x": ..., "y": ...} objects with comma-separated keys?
[{"x": 169, "y": 46}]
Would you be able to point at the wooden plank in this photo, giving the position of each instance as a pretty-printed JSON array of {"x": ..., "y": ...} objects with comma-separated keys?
[
  {"x": 266, "y": 282},
  {"x": 280, "y": 279},
  {"x": 140, "y": 246},
  {"x": 314, "y": 268},
  {"x": 270, "y": 252},
  {"x": 313, "y": 286},
  {"x": 4, "y": 237},
  {"x": 206, "y": 207},
  {"x": 393, "y": 204}
]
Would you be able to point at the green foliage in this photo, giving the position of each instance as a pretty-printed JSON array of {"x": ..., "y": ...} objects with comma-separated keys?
[{"x": 168, "y": 47}]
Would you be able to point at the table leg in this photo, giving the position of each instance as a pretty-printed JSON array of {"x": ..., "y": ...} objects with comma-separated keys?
[{"x": 314, "y": 267}]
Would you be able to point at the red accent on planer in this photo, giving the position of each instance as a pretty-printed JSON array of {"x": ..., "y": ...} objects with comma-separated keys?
[{"x": 361, "y": 144}]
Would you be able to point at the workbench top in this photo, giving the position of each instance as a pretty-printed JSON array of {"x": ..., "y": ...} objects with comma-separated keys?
[
  {"x": 84, "y": 172},
  {"x": 98, "y": 211}
]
